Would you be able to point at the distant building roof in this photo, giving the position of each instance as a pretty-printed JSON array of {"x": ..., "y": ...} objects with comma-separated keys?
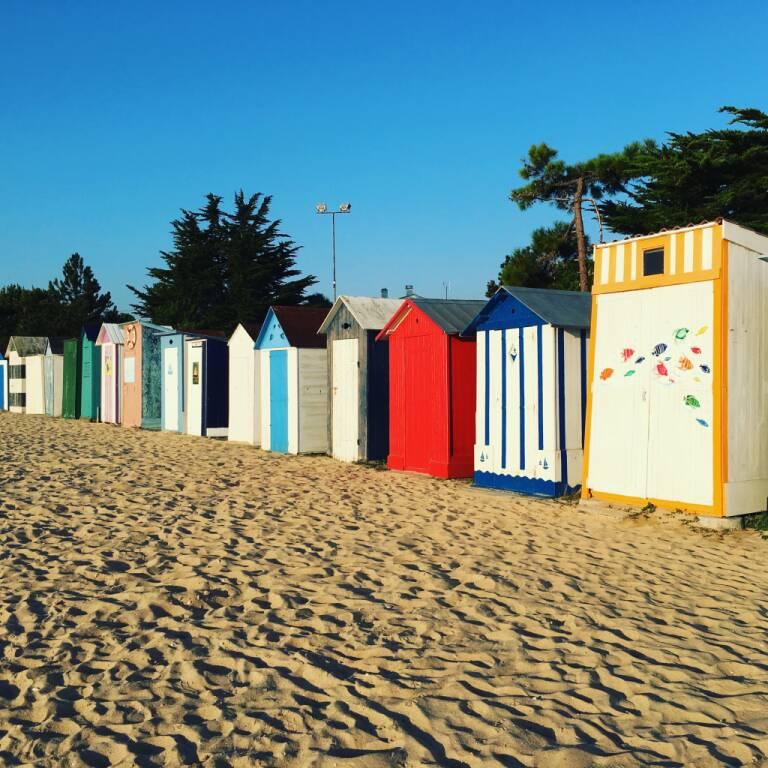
[
  {"x": 371, "y": 314},
  {"x": 300, "y": 325},
  {"x": 26, "y": 346}
]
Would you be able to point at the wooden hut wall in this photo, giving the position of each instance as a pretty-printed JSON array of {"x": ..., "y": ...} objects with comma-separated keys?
[
  {"x": 90, "y": 387},
  {"x": 132, "y": 346},
  {"x": 172, "y": 401},
  {"x": 151, "y": 379},
  {"x": 3, "y": 384},
  {"x": 54, "y": 382},
  {"x": 35, "y": 384},
  {"x": 372, "y": 395},
  {"x": 309, "y": 395},
  {"x": 111, "y": 385},
  {"x": 70, "y": 406},
  {"x": 17, "y": 394},
  {"x": 244, "y": 384}
]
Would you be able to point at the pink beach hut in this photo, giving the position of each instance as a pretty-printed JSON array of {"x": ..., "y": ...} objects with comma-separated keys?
[{"x": 110, "y": 339}]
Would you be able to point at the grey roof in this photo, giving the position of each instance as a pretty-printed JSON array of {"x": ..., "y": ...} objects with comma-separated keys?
[
  {"x": 113, "y": 333},
  {"x": 25, "y": 346},
  {"x": 452, "y": 315},
  {"x": 371, "y": 314},
  {"x": 563, "y": 309}
]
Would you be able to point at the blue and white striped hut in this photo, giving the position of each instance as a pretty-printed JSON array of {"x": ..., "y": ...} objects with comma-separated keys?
[{"x": 531, "y": 390}]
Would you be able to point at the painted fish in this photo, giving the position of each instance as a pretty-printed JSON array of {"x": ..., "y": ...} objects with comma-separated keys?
[
  {"x": 627, "y": 353},
  {"x": 661, "y": 369},
  {"x": 701, "y": 330},
  {"x": 659, "y": 349},
  {"x": 681, "y": 333},
  {"x": 630, "y": 372},
  {"x": 696, "y": 350},
  {"x": 639, "y": 360},
  {"x": 691, "y": 401},
  {"x": 705, "y": 369},
  {"x": 684, "y": 364},
  {"x": 667, "y": 359},
  {"x": 702, "y": 422},
  {"x": 606, "y": 373}
]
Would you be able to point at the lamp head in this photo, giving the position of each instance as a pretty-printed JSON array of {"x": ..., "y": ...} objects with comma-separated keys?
[
  {"x": 345, "y": 207},
  {"x": 321, "y": 207}
]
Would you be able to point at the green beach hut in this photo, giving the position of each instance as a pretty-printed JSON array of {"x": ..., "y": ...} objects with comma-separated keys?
[
  {"x": 70, "y": 401},
  {"x": 90, "y": 373}
]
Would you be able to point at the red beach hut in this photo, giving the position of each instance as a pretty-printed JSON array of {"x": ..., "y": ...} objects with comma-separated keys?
[{"x": 431, "y": 387}]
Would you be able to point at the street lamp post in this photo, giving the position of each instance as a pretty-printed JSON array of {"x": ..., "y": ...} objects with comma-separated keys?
[{"x": 322, "y": 209}]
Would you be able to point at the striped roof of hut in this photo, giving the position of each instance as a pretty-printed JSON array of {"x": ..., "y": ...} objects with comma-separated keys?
[
  {"x": 371, "y": 314},
  {"x": 25, "y": 346},
  {"x": 110, "y": 333}
]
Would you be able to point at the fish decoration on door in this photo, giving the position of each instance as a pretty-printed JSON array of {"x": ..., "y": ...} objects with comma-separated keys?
[
  {"x": 681, "y": 333},
  {"x": 702, "y": 330},
  {"x": 630, "y": 372},
  {"x": 691, "y": 401},
  {"x": 705, "y": 369},
  {"x": 684, "y": 363},
  {"x": 627, "y": 353},
  {"x": 659, "y": 349},
  {"x": 661, "y": 369},
  {"x": 639, "y": 360},
  {"x": 696, "y": 350},
  {"x": 606, "y": 374},
  {"x": 703, "y": 422}
]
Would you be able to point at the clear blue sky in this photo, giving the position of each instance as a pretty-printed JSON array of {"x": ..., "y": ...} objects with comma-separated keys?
[{"x": 114, "y": 115}]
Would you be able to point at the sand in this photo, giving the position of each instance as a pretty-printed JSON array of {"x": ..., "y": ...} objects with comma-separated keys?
[{"x": 169, "y": 600}]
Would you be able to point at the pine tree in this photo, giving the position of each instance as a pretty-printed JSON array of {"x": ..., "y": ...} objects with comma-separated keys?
[
  {"x": 695, "y": 177},
  {"x": 79, "y": 299},
  {"x": 224, "y": 268},
  {"x": 549, "y": 261}
]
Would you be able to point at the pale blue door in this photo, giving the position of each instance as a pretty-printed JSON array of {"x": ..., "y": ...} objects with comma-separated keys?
[{"x": 278, "y": 400}]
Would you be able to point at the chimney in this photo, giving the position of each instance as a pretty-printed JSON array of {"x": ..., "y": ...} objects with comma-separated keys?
[
  {"x": 384, "y": 293},
  {"x": 409, "y": 290}
]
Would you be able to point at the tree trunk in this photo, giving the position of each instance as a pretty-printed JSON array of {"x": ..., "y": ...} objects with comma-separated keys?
[{"x": 580, "y": 243}]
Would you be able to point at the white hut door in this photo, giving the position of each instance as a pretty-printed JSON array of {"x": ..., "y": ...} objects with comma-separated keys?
[
  {"x": 171, "y": 386},
  {"x": 195, "y": 389},
  {"x": 618, "y": 458},
  {"x": 345, "y": 403},
  {"x": 680, "y": 444}
]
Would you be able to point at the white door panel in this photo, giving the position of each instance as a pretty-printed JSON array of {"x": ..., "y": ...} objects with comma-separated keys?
[
  {"x": 345, "y": 427},
  {"x": 171, "y": 385}
]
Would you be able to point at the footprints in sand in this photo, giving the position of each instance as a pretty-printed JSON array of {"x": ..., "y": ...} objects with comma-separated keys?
[{"x": 210, "y": 604}]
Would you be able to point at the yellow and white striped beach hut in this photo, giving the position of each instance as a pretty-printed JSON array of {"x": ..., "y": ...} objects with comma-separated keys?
[{"x": 677, "y": 405}]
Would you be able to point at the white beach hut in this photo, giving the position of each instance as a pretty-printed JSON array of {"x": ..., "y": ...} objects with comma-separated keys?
[
  {"x": 20, "y": 349},
  {"x": 244, "y": 384},
  {"x": 677, "y": 403}
]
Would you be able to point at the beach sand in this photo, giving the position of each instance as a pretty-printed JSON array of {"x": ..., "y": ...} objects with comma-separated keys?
[{"x": 169, "y": 600}]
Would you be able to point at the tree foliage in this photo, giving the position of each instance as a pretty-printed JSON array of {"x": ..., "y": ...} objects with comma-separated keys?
[
  {"x": 695, "y": 177},
  {"x": 549, "y": 261},
  {"x": 224, "y": 268},
  {"x": 60, "y": 309},
  {"x": 551, "y": 180}
]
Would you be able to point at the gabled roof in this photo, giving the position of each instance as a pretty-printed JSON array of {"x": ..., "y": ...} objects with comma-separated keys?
[
  {"x": 26, "y": 346},
  {"x": 55, "y": 345},
  {"x": 561, "y": 309},
  {"x": 451, "y": 315},
  {"x": 91, "y": 331},
  {"x": 371, "y": 314},
  {"x": 252, "y": 329},
  {"x": 299, "y": 325},
  {"x": 110, "y": 333}
]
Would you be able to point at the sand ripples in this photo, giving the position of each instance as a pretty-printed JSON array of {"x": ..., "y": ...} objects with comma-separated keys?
[{"x": 175, "y": 601}]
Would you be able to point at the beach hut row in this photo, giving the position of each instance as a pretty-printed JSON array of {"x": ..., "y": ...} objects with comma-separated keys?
[{"x": 648, "y": 391}]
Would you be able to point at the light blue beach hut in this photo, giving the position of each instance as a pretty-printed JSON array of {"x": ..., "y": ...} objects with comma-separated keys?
[
  {"x": 294, "y": 381},
  {"x": 531, "y": 390}
]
